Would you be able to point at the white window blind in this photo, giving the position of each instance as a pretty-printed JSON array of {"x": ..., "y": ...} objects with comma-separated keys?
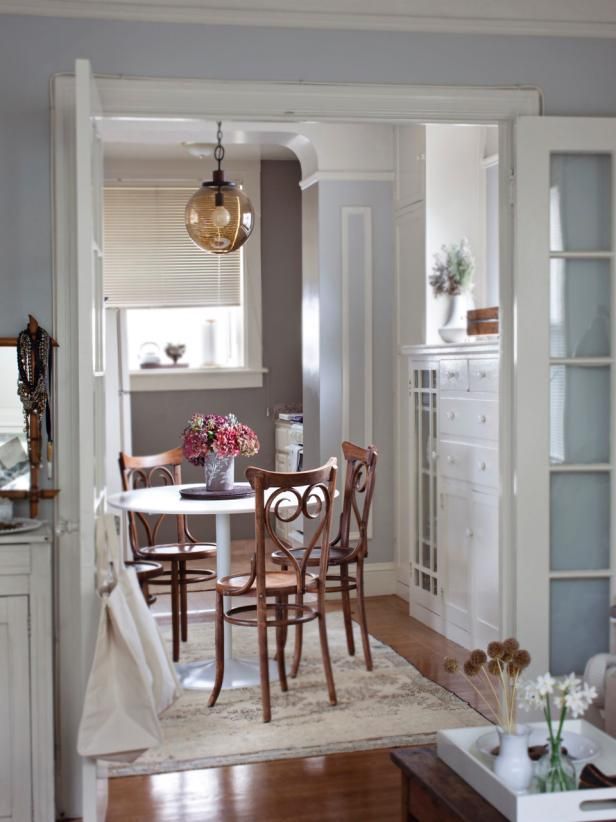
[{"x": 150, "y": 261}]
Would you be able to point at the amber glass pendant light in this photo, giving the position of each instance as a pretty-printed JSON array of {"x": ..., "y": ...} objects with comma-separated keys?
[{"x": 219, "y": 216}]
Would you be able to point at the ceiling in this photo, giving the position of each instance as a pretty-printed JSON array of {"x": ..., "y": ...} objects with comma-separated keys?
[
  {"x": 133, "y": 138},
  {"x": 590, "y": 18}
]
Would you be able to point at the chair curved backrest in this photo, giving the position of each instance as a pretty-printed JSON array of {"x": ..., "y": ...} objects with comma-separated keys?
[
  {"x": 359, "y": 481},
  {"x": 283, "y": 497},
  {"x": 145, "y": 472}
]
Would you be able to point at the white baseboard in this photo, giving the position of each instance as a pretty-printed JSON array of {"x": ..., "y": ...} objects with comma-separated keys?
[
  {"x": 403, "y": 590},
  {"x": 379, "y": 579}
]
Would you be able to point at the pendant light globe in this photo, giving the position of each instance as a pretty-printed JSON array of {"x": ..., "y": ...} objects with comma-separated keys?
[{"x": 219, "y": 216}]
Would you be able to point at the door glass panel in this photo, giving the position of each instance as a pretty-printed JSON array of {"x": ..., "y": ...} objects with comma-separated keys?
[
  {"x": 579, "y": 522},
  {"x": 579, "y": 622},
  {"x": 425, "y": 379},
  {"x": 425, "y": 438},
  {"x": 580, "y": 308},
  {"x": 579, "y": 414},
  {"x": 425, "y": 505},
  {"x": 580, "y": 202},
  {"x": 425, "y": 582},
  {"x": 425, "y": 559}
]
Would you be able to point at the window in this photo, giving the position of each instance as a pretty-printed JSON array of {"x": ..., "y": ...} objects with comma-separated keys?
[{"x": 174, "y": 293}]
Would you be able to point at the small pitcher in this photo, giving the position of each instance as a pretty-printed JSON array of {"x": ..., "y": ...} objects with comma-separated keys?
[{"x": 513, "y": 765}]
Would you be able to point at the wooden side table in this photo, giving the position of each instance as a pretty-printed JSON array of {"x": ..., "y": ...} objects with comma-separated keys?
[{"x": 432, "y": 792}]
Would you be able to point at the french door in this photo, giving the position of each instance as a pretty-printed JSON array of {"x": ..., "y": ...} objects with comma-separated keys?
[{"x": 565, "y": 381}]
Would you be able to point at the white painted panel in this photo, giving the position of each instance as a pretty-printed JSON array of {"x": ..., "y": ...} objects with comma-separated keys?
[
  {"x": 15, "y": 751},
  {"x": 485, "y": 568},
  {"x": 456, "y": 536}
]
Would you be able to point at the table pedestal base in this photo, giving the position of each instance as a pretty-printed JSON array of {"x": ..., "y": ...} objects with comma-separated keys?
[{"x": 239, "y": 673}]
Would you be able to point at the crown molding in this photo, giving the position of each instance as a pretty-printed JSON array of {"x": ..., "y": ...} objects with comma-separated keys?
[{"x": 593, "y": 18}]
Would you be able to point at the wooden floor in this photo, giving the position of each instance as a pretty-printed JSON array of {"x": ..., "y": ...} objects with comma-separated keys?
[{"x": 359, "y": 786}]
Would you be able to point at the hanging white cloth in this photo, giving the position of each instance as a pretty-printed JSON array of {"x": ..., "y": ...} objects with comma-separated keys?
[{"x": 132, "y": 680}]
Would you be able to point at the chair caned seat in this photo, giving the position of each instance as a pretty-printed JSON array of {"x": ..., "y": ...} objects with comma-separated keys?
[
  {"x": 178, "y": 550},
  {"x": 337, "y": 555},
  {"x": 276, "y": 582}
]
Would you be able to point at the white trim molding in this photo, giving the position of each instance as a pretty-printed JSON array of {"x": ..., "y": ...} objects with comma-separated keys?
[
  {"x": 195, "y": 379},
  {"x": 347, "y": 176},
  {"x": 593, "y": 18}
]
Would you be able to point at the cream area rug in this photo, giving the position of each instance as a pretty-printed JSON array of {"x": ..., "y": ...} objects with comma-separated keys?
[{"x": 392, "y": 705}]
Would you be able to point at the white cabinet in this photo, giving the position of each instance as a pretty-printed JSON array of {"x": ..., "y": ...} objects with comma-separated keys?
[
  {"x": 455, "y": 576},
  {"x": 26, "y": 682}
]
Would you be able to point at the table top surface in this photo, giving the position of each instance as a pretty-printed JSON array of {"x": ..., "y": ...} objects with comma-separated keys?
[{"x": 166, "y": 499}]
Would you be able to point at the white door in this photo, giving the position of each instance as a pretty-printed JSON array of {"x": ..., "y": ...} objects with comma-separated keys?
[
  {"x": 81, "y": 443},
  {"x": 565, "y": 431},
  {"x": 484, "y": 568}
]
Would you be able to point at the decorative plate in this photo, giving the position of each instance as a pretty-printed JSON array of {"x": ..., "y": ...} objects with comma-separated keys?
[
  {"x": 201, "y": 492},
  {"x": 581, "y": 749},
  {"x": 18, "y": 526}
]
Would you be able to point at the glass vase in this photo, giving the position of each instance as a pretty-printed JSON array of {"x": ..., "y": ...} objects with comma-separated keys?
[
  {"x": 555, "y": 771},
  {"x": 219, "y": 472}
]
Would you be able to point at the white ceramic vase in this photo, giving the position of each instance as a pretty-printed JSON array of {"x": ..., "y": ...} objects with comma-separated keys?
[
  {"x": 454, "y": 330},
  {"x": 219, "y": 472},
  {"x": 513, "y": 765}
]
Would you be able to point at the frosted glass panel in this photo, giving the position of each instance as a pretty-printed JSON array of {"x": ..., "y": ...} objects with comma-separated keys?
[
  {"x": 579, "y": 522},
  {"x": 580, "y": 202},
  {"x": 580, "y": 308},
  {"x": 579, "y": 414},
  {"x": 579, "y": 622},
  {"x": 425, "y": 438},
  {"x": 425, "y": 503}
]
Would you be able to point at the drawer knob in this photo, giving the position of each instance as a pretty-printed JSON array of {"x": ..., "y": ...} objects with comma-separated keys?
[
  {"x": 482, "y": 375},
  {"x": 482, "y": 418},
  {"x": 451, "y": 460},
  {"x": 434, "y": 455},
  {"x": 451, "y": 415},
  {"x": 468, "y": 533},
  {"x": 452, "y": 375},
  {"x": 482, "y": 466}
]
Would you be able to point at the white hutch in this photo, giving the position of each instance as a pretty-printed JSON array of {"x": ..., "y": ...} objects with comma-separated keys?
[{"x": 454, "y": 486}]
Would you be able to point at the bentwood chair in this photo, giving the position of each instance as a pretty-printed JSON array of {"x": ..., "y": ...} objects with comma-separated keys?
[
  {"x": 311, "y": 494},
  {"x": 165, "y": 469},
  {"x": 350, "y": 546}
]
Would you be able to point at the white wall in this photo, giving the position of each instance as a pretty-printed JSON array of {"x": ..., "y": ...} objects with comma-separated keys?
[{"x": 455, "y": 206}]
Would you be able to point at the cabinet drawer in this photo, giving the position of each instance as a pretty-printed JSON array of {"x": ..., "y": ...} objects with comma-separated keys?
[
  {"x": 453, "y": 375},
  {"x": 483, "y": 375},
  {"x": 469, "y": 418},
  {"x": 454, "y": 460}
]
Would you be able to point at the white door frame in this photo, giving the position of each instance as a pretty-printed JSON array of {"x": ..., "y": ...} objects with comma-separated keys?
[{"x": 248, "y": 100}]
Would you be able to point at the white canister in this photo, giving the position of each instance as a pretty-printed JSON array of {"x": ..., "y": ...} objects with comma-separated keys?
[
  {"x": 210, "y": 353},
  {"x": 6, "y": 509}
]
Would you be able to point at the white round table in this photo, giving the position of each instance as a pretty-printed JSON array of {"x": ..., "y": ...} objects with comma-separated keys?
[{"x": 239, "y": 673}]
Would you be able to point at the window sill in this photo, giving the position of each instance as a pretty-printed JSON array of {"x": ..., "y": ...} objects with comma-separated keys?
[{"x": 195, "y": 379}]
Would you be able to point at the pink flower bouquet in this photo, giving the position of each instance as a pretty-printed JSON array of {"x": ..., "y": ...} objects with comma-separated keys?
[{"x": 215, "y": 434}]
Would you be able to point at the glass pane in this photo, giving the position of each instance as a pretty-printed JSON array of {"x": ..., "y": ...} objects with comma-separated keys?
[
  {"x": 434, "y": 587},
  {"x": 417, "y": 552},
  {"x": 579, "y": 522},
  {"x": 433, "y": 378},
  {"x": 425, "y": 379},
  {"x": 425, "y": 582},
  {"x": 425, "y": 438},
  {"x": 425, "y": 559},
  {"x": 425, "y": 504},
  {"x": 579, "y": 414},
  {"x": 580, "y": 202},
  {"x": 435, "y": 559},
  {"x": 416, "y": 577},
  {"x": 580, "y": 308},
  {"x": 579, "y": 623}
]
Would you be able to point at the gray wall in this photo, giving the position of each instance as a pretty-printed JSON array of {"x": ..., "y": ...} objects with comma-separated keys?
[
  {"x": 159, "y": 417},
  {"x": 576, "y": 76}
]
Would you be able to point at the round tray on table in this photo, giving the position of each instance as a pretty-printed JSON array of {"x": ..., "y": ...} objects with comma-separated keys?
[{"x": 238, "y": 491}]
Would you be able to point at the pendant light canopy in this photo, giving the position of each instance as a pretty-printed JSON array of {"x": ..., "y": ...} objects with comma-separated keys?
[{"x": 219, "y": 216}]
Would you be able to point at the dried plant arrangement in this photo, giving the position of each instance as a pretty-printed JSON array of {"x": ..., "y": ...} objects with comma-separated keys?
[{"x": 501, "y": 665}]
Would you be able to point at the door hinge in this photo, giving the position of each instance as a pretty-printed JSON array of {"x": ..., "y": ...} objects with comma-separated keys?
[
  {"x": 29, "y": 623},
  {"x": 511, "y": 185}
]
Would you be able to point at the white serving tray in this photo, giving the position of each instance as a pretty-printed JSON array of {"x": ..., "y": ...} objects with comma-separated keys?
[{"x": 458, "y": 750}]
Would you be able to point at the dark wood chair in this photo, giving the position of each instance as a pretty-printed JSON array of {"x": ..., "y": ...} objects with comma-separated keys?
[
  {"x": 145, "y": 570},
  {"x": 165, "y": 469},
  {"x": 312, "y": 495},
  {"x": 349, "y": 546}
]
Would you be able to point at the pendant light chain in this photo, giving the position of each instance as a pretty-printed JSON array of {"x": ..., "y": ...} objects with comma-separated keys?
[{"x": 219, "y": 151}]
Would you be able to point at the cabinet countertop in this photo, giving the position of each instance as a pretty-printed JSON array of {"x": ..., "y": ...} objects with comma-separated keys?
[{"x": 42, "y": 534}]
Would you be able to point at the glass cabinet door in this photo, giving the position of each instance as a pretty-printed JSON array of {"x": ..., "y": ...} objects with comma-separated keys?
[
  {"x": 565, "y": 389},
  {"x": 424, "y": 572}
]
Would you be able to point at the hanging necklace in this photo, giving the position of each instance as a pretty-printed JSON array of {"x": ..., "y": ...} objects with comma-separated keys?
[{"x": 34, "y": 360}]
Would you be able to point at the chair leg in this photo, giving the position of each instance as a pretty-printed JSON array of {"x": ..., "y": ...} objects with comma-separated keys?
[
  {"x": 327, "y": 663},
  {"x": 346, "y": 608},
  {"x": 361, "y": 608},
  {"x": 281, "y": 613},
  {"x": 175, "y": 611},
  {"x": 219, "y": 632},
  {"x": 264, "y": 662},
  {"x": 183, "y": 601},
  {"x": 299, "y": 637}
]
